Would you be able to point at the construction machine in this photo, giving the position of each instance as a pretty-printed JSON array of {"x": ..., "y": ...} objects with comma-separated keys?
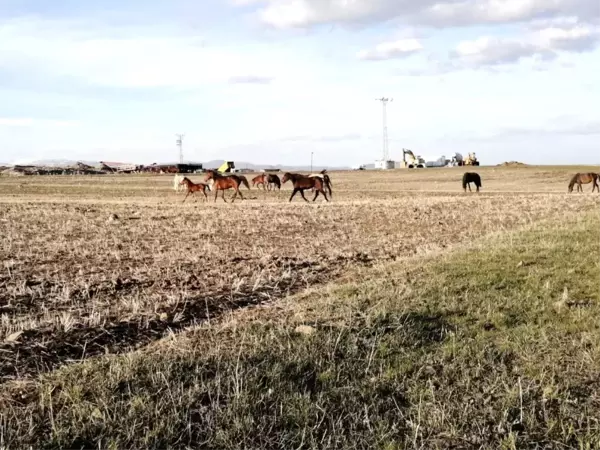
[
  {"x": 409, "y": 160},
  {"x": 440, "y": 162},
  {"x": 226, "y": 167},
  {"x": 457, "y": 160},
  {"x": 471, "y": 160}
]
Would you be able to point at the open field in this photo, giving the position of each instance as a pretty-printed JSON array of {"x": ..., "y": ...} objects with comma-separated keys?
[{"x": 437, "y": 319}]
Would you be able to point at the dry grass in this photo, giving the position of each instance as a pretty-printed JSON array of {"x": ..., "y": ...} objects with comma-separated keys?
[
  {"x": 74, "y": 284},
  {"x": 80, "y": 283}
]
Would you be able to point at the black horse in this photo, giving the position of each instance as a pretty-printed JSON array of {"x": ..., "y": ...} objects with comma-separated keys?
[{"x": 471, "y": 177}]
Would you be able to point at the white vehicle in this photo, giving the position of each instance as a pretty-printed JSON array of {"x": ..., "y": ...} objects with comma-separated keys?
[{"x": 440, "y": 162}]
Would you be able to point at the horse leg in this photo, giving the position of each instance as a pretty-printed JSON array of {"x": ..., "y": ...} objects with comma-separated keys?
[
  {"x": 325, "y": 195},
  {"x": 294, "y": 193},
  {"x": 186, "y": 197},
  {"x": 469, "y": 184},
  {"x": 240, "y": 193},
  {"x": 205, "y": 196},
  {"x": 302, "y": 194},
  {"x": 216, "y": 194},
  {"x": 316, "y": 194},
  {"x": 223, "y": 195}
]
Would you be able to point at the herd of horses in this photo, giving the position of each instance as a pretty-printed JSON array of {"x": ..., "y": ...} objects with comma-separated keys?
[
  {"x": 577, "y": 179},
  {"x": 214, "y": 181},
  {"x": 319, "y": 183}
]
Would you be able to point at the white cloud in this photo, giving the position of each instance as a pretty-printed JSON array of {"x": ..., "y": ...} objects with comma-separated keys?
[
  {"x": 30, "y": 122},
  {"x": 12, "y": 122},
  {"x": 443, "y": 13},
  {"x": 34, "y": 45},
  {"x": 540, "y": 44},
  {"x": 390, "y": 50},
  {"x": 250, "y": 79}
]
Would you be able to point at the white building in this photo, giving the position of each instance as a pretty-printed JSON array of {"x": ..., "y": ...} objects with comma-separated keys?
[{"x": 384, "y": 165}]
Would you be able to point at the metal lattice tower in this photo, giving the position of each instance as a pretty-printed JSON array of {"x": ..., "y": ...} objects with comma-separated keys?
[
  {"x": 386, "y": 149},
  {"x": 179, "y": 143}
]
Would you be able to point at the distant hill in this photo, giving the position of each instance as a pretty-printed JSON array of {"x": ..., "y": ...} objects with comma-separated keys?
[
  {"x": 214, "y": 164},
  {"x": 53, "y": 162},
  {"x": 246, "y": 165}
]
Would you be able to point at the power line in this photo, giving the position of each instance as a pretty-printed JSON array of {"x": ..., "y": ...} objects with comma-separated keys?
[
  {"x": 179, "y": 143},
  {"x": 386, "y": 149}
]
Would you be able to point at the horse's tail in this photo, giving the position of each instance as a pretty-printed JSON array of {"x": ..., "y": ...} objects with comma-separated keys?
[
  {"x": 328, "y": 184},
  {"x": 245, "y": 182}
]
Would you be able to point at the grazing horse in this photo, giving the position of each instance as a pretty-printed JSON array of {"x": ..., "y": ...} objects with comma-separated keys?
[
  {"x": 273, "y": 182},
  {"x": 471, "y": 177},
  {"x": 192, "y": 188},
  {"x": 302, "y": 182},
  {"x": 222, "y": 183},
  {"x": 584, "y": 178},
  {"x": 177, "y": 185},
  {"x": 260, "y": 179}
]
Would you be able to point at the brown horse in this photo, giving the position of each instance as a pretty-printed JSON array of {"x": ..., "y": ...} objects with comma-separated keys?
[
  {"x": 302, "y": 183},
  {"x": 192, "y": 188},
  {"x": 222, "y": 183},
  {"x": 243, "y": 179},
  {"x": 584, "y": 178},
  {"x": 273, "y": 182},
  {"x": 326, "y": 179},
  {"x": 260, "y": 179}
]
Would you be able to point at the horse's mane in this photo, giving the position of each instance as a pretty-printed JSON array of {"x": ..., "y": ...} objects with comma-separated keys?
[{"x": 293, "y": 175}]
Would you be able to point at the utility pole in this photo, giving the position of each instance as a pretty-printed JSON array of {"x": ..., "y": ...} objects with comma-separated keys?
[
  {"x": 179, "y": 143},
  {"x": 311, "y": 162},
  {"x": 386, "y": 150}
]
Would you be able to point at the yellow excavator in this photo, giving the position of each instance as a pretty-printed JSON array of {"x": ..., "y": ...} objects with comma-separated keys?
[
  {"x": 471, "y": 160},
  {"x": 409, "y": 160},
  {"x": 226, "y": 167}
]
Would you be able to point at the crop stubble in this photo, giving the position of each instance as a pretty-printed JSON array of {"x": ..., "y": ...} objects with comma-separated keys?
[{"x": 74, "y": 284}]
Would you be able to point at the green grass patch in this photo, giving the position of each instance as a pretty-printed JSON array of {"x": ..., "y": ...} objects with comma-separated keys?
[{"x": 492, "y": 346}]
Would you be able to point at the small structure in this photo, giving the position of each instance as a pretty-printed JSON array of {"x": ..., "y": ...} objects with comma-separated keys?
[
  {"x": 384, "y": 164},
  {"x": 189, "y": 168},
  {"x": 117, "y": 167}
]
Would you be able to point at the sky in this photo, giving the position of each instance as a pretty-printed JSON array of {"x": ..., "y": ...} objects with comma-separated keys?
[{"x": 272, "y": 81}]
